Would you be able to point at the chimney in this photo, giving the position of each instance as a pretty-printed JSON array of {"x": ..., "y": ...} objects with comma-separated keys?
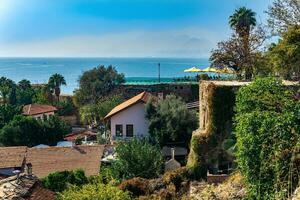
[
  {"x": 29, "y": 169},
  {"x": 173, "y": 153}
]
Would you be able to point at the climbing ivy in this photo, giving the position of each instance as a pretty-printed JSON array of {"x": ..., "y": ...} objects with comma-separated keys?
[
  {"x": 220, "y": 101},
  {"x": 268, "y": 130}
]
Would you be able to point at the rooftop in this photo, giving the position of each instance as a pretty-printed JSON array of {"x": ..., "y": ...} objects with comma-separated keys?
[
  {"x": 52, "y": 159},
  {"x": 26, "y": 187},
  {"x": 34, "y": 109},
  {"x": 12, "y": 156},
  {"x": 142, "y": 97}
]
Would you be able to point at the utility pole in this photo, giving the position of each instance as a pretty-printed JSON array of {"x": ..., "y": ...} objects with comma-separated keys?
[{"x": 158, "y": 72}]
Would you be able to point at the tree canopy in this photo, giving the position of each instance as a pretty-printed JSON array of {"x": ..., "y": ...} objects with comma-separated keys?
[
  {"x": 137, "y": 158},
  {"x": 55, "y": 82},
  {"x": 170, "y": 121},
  {"x": 95, "y": 113},
  {"x": 59, "y": 181},
  {"x": 285, "y": 56},
  {"x": 97, "y": 83},
  {"x": 27, "y": 131},
  {"x": 283, "y": 14}
]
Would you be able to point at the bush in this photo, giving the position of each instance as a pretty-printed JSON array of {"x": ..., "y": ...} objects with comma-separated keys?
[
  {"x": 137, "y": 158},
  {"x": 176, "y": 177},
  {"x": 268, "y": 130},
  {"x": 94, "y": 191},
  {"x": 58, "y": 181},
  {"x": 136, "y": 186}
]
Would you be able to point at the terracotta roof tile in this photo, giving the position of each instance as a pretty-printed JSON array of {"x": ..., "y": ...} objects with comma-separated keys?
[
  {"x": 34, "y": 109},
  {"x": 40, "y": 193},
  {"x": 12, "y": 156},
  {"x": 52, "y": 159},
  {"x": 142, "y": 97}
]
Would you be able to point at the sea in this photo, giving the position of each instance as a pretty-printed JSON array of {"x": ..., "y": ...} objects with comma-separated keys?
[{"x": 38, "y": 70}]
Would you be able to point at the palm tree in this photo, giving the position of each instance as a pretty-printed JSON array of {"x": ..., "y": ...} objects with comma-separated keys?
[
  {"x": 55, "y": 82},
  {"x": 242, "y": 20}
]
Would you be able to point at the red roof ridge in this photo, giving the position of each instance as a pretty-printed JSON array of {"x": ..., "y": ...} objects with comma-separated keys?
[
  {"x": 34, "y": 109},
  {"x": 144, "y": 97}
]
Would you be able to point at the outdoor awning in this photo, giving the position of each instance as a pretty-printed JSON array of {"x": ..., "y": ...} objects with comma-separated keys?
[{"x": 193, "y": 69}]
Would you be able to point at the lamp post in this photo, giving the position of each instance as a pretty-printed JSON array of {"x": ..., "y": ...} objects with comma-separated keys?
[{"x": 158, "y": 72}]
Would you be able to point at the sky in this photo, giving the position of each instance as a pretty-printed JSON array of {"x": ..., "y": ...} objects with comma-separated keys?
[{"x": 117, "y": 28}]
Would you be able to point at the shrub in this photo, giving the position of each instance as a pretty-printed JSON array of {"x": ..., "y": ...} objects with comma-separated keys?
[
  {"x": 268, "y": 130},
  {"x": 137, "y": 158},
  {"x": 94, "y": 191},
  {"x": 58, "y": 181},
  {"x": 176, "y": 177},
  {"x": 136, "y": 186}
]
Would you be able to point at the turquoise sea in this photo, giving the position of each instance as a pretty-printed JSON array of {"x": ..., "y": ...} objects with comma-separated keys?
[{"x": 38, "y": 70}]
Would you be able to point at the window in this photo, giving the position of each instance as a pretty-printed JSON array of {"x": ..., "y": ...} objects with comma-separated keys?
[
  {"x": 119, "y": 130},
  {"x": 129, "y": 130}
]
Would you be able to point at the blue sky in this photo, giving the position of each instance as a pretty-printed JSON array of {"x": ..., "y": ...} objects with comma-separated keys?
[{"x": 117, "y": 28}]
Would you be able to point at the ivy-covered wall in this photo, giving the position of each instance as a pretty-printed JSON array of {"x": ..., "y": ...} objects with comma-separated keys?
[{"x": 216, "y": 114}]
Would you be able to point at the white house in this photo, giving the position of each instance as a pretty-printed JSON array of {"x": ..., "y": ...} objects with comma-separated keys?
[
  {"x": 39, "y": 111},
  {"x": 128, "y": 119}
]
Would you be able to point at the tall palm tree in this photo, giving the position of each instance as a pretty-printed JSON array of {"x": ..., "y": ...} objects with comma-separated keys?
[
  {"x": 55, "y": 82},
  {"x": 242, "y": 21}
]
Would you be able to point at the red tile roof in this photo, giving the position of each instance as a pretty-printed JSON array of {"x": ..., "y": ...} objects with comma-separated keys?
[
  {"x": 34, "y": 109},
  {"x": 52, "y": 159},
  {"x": 12, "y": 156},
  {"x": 142, "y": 97},
  {"x": 72, "y": 136}
]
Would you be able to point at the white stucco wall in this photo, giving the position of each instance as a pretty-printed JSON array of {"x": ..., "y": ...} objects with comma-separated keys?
[
  {"x": 133, "y": 115},
  {"x": 41, "y": 116}
]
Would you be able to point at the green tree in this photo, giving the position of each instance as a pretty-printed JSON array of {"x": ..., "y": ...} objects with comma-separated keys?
[
  {"x": 55, "y": 82},
  {"x": 267, "y": 131},
  {"x": 170, "y": 121},
  {"x": 283, "y": 14},
  {"x": 137, "y": 158},
  {"x": 27, "y": 131},
  {"x": 242, "y": 21},
  {"x": 95, "y": 113},
  {"x": 59, "y": 181},
  {"x": 7, "y": 90},
  {"x": 97, "y": 83},
  {"x": 285, "y": 56},
  {"x": 7, "y": 113},
  {"x": 24, "y": 92},
  {"x": 96, "y": 190}
]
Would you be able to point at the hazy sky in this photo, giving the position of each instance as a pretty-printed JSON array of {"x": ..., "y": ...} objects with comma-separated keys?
[{"x": 117, "y": 28}]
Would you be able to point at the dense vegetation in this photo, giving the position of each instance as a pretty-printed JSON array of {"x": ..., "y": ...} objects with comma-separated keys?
[
  {"x": 27, "y": 131},
  {"x": 170, "y": 121},
  {"x": 268, "y": 130},
  {"x": 59, "y": 181},
  {"x": 137, "y": 158},
  {"x": 96, "y": 190},
  {"x": 97, "y": 83}
]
